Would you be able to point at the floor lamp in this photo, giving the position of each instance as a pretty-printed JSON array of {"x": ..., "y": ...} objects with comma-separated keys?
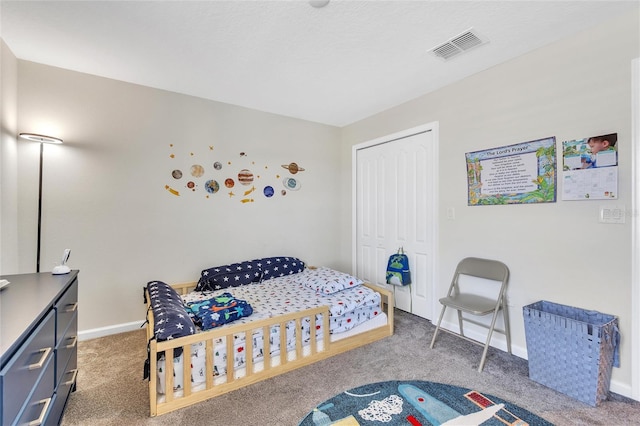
[{"x": 41, "y": 139}]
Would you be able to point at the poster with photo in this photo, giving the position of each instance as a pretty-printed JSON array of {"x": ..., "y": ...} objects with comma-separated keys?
[
  {"x": 590, "y": 168},
  {"x": 515, "y": 174}
]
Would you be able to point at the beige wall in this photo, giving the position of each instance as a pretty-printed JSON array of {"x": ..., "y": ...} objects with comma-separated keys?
[
  {"x": 559, "y": 252},
  {"x": 105, "y": 196},
  {"x": 8, "y": 157}
]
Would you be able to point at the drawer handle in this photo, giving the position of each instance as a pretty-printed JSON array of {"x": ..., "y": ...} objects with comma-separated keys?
[
  {"x": 72, "y": 308},
  {"x": 75, "y": 341},
  {"x": 45, "y": 408},
  {"x": 39, "y": 364},
  {"x": 73, "y": 378}
]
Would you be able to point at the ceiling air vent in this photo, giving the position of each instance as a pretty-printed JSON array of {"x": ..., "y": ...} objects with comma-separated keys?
[{"x": 461, "y": 43}]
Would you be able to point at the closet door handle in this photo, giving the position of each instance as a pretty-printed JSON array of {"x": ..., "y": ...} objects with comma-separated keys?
[
  {"x": 39, "y": 364},
  {"x": 71, "y": 307},
  {"x": 45, "y": 408}
]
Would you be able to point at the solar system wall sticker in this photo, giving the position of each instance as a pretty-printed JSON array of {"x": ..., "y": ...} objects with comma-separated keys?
[{"x": 239, "y": 179}]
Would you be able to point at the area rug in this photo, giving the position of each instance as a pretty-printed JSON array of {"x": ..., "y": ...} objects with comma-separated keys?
[{"x": 418, "y": 403}]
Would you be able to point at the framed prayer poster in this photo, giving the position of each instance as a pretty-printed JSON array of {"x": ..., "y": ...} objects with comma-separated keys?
[{"x": 523, "y": 173}]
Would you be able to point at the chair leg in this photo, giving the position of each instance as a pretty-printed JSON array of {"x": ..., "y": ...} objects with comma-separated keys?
[
  {"x": 507, "y": 330},
  {"x": 460, "y": 322},
  {"x": 435, "y": 333},
  {"x": 486, "y": 345}
]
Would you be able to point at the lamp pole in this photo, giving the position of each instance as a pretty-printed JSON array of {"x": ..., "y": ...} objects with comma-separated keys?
[
  {"x": 39, "y": 207},
  {"x": 42, "y": 139}
]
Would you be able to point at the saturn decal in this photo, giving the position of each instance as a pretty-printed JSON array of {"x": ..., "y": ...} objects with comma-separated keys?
[{"x": 293, "y": 168}]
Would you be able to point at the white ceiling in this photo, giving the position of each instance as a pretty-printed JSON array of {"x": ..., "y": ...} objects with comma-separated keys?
[{"x": 333, "y": 65}]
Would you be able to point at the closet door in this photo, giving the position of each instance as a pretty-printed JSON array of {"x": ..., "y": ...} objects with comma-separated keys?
[{"x": 394, "y": 191}]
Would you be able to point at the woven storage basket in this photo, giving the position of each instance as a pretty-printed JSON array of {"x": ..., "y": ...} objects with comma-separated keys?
[{"x": 571, "y": 350}]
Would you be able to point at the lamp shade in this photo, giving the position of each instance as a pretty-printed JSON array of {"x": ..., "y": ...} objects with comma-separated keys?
[{"x": 40, "y": 138}]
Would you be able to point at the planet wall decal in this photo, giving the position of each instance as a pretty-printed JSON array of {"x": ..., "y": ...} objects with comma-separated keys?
[
  {"x": 245, "y": 177},
  {"x": 293, "y": 168},
  {"x": 195, "y": 178},
  {"x": 197, "y": 170},
  {"x": 291, "y": 184},
  {"x": 211, "y": 186}
]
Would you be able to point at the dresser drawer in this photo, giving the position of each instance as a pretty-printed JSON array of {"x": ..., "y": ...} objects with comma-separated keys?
[
  {"x": 64, "y": 387},
  {"x": 66, "y": 307},
  {"x": 24, "y": 369},
  {"x": 41, "y": 401},
  {"x": 67, "y": 346}
]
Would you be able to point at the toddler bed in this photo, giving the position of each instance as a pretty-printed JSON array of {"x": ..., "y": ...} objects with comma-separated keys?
[{"x": 322, "y": 312}]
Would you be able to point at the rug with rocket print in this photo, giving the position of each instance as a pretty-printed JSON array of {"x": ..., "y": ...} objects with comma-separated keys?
[{"x": 418, "y": 403}]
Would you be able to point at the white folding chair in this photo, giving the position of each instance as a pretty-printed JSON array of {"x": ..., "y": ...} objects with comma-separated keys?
[{"x": 470, "y": 302}]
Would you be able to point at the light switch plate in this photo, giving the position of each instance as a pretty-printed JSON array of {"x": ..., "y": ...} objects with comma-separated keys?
[
  {"x": 451, "y": 213},
  {"x": 612, "y": 214}
]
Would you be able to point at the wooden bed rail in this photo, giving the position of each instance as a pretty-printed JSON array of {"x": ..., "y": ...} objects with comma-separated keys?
[
  {"x": 184, "y": 288},
  {"x": 316, "y": 350}
]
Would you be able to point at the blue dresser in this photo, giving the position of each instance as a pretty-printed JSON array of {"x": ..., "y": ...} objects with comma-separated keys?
[{"x": 38, "y": 347}]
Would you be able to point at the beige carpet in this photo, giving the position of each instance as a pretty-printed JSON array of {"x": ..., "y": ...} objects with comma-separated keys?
[{"x": 111, "y": 391}]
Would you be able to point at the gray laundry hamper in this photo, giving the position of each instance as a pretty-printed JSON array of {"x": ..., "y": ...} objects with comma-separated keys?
[{"x": 571, "y": 350}]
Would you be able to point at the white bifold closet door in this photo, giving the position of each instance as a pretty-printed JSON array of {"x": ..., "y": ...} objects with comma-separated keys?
[{"x": 394, "y": 189}]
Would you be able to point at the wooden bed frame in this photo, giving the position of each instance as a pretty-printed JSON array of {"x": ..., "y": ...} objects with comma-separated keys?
[{"x": 316, "y": 351}]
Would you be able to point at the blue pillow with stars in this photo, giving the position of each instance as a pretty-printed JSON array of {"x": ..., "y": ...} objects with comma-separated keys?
[
  {"x": 170, "y": 316},
  {"x": 225, "y": 276}
]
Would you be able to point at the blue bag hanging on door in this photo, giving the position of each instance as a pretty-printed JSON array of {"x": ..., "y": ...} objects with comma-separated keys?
[{"x": 398, "y": 272}]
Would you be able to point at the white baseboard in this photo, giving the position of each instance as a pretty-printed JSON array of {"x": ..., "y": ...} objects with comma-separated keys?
[
  {"x": 498, "y": 340},
  {"x": 107, "y": 331},
  {"x": 621, "y": 389}
]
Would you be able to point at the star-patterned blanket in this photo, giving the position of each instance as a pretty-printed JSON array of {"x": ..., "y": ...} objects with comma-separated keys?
[{"x": 218, "y": 310}]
